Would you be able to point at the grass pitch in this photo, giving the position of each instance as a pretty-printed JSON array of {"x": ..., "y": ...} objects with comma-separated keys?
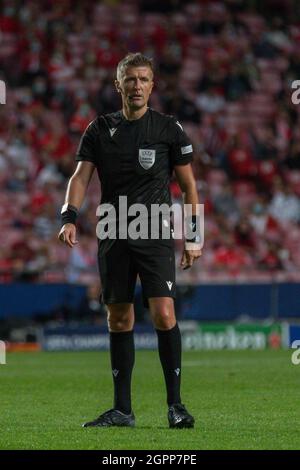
[{"x": 240, "y": 399}]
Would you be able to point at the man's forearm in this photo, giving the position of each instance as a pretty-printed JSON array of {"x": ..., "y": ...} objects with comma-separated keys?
[
  {"x": 191, "y": 217},
  {"x": 190, "y": 196},
  {"x": 75, "y": 193}
]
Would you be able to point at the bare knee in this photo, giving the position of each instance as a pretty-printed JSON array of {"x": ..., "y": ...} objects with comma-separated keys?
[
  {"x": 163, "y": 315},
  {"x": 120, "y": 317}
]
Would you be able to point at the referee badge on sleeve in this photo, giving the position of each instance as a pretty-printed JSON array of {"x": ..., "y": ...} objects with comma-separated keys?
[
  {"x": 146, "y": 158},
  {"x": 186, "y": 149}
]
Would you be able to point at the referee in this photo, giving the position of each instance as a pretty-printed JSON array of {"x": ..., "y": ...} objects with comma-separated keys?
[{"x": 135, "y": 151}]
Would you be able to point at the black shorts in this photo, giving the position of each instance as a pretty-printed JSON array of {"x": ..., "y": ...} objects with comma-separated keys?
[{"x": 120, "y": 261}]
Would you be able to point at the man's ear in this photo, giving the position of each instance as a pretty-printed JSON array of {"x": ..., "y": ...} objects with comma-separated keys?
[{"x": 117, "y": 85}]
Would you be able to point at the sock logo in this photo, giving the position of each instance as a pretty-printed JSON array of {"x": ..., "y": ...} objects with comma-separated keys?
[
  {"x": 169, "y": 284},
  {"x": 115, "y": 372},
  {"x": 177, "y": 372}
]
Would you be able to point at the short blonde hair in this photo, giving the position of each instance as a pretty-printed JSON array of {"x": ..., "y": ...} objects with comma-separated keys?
[{"x": 133, "y": 59}]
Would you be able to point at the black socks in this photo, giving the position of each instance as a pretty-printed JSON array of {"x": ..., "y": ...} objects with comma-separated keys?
[
  {"x": 122, "y": 362},
  {"x": 169, "y": 348}
]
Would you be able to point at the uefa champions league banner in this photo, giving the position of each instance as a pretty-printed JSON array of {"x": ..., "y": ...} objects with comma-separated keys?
[
  {"x": 91, "y": 338},
  {"x": 195, "y": 336}
]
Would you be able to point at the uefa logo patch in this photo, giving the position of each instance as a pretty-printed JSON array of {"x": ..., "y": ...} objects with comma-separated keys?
[{"x": 146, "y": 158}]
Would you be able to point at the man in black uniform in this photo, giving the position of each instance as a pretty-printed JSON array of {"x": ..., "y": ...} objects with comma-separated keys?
[{"x": 135, "y": 151}]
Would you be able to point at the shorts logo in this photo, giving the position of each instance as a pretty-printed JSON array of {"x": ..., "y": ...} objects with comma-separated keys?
[
  {"x": 115, "y": 372},
  {"x": 169, "y": 284},
  {"x": 177, "y": 372},
  {"x": 146, "y": 158}
]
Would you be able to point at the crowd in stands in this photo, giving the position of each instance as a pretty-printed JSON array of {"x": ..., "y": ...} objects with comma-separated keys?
[{"x": 223, "y": 68}]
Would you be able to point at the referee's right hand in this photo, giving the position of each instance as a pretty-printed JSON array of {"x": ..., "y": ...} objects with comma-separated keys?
[{"x": 67, "y": 235}]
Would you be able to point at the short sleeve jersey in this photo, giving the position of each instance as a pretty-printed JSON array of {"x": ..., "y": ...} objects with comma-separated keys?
[{"x": 135, "y": 158}]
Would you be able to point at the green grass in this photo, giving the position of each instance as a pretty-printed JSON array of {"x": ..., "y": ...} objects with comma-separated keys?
[{"x": 240, "y": 399}]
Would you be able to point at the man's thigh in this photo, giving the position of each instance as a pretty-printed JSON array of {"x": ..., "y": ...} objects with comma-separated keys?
[
  {"x": 117, "y": 272},
  {"x": 155, "y": 264}
]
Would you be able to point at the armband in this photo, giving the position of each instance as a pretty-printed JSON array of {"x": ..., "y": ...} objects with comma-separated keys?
[
  {"x": 69, "y": 214},
  {"x": 192, "y": 230}
]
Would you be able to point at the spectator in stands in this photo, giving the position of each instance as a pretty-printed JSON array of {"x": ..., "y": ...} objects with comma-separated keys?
[
  {"x": 82, "y": 259},
  {"x": 260, "y": 219},
  {"x": 293, "y": 159},
  {"x": 244, "y": 234},
  {"x": 225, "y": 203},
  {"x": 241, "y": 163},
  {"x": 271, "y": 261},
  {"x": 285, "y": 205}
]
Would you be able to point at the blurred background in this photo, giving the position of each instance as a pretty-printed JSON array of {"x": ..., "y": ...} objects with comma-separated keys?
[{"x": 225, "y": 69}]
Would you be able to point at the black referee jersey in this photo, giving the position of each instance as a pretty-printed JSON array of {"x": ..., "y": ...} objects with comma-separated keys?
[{"x": 135, "y": 158}]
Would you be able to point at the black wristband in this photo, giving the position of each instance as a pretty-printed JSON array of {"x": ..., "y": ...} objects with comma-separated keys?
[
  {"x": 69, "y": 214},
  {"x": 192, "y": 226}
]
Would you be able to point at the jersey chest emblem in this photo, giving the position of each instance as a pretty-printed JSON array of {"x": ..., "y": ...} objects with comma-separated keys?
[{"x": 146, "y": 158}]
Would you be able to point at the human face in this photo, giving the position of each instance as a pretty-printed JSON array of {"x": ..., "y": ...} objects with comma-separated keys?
[{"x": 135, "y": 87}]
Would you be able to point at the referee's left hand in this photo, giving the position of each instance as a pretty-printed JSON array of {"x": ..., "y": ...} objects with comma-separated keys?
[{"x": 188, "y": 258}]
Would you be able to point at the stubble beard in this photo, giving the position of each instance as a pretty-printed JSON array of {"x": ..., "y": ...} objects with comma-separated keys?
[{"x": 135, "y": 106}]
